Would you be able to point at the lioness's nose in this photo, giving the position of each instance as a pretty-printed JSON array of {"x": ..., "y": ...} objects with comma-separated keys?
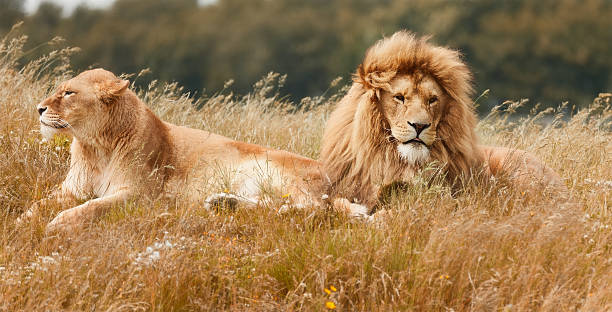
[
  {"x": 41, "y": 109},
  {"x": 419, "y": 127}
]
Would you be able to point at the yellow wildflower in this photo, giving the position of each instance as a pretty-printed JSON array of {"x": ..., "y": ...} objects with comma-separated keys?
[
  {"x": 286, "y": 195},
  {"x": 327, "y": 291},
  {"x": 330, "y": 305},
  {"x": 332, "y": 288}
]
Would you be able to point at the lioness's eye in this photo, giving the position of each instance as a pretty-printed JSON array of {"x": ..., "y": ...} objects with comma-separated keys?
[
  {"x": 433, "y": 99},
  {"x": 67, "y": 93},
  {"x": 399, "y": 97}
]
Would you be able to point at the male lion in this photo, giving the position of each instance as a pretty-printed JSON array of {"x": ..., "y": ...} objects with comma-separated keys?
[
  {"x": 410, "y": 105},
  {"x": 121, "y": 149}
]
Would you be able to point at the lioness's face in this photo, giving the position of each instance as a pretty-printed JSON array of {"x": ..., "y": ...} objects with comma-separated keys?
[
  {"x": 412, "y": 106},
  {"x": 76, "y": 106}
]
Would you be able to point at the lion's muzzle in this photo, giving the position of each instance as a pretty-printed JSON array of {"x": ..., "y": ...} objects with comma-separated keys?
[
  {"x": 415, "y": 140},
  {"x": 419, "y": 127}
]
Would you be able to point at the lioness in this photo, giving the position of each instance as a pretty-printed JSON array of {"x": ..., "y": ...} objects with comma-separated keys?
[{"x": 120, "y": 148}]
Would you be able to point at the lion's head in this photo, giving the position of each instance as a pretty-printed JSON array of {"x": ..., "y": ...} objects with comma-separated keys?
[
  {"x": 83, "y": 105},
  {"x": 409, "y": 104}
]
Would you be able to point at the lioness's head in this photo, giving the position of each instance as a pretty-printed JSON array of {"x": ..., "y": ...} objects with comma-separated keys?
[{"x": 81, "y": 106}]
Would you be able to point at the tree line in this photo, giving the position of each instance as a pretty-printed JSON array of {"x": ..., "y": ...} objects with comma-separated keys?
[{"x": 549, "y": 50}]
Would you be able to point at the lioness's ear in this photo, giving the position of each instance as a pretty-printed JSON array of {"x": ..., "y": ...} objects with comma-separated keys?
[
  {"x": 117, "y": 87},
  {"x": 112, "y": 89}
]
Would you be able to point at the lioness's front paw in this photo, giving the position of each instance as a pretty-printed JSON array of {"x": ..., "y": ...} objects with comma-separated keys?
[
  {"x": 28, "y": 214},
  {"x": 231, "y": 201},
  {"x": 65, "y": 221}
]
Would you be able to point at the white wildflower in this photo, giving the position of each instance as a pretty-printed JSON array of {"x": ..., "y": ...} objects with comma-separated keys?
[
  {"x": 602, "y": 183},
  {"x": 47, "y": 260},
  {"x": 153, "y": 253}
]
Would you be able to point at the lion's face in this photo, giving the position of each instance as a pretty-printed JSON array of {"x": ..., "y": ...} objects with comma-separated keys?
[
  {"x": 412, "y": 105},
  {"x": 417, "y": 95},
  {"x": 79, "y": 105}
]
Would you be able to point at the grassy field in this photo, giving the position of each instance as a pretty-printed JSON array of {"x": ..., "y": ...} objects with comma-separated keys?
[{"x": 488, "y": 248}]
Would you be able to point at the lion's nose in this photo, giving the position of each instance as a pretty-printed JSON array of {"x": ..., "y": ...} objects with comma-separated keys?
[
  {"x": 419, "y": 127},
  {"x": 41, "y": 110}
]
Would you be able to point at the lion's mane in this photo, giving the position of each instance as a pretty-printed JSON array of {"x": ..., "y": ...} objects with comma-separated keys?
[{"x": 356, "y": 150}]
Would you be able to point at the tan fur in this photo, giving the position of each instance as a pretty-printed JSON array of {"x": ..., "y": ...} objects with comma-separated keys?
[
  {"x": 120, "y": 149},
  {"x": 360, "y": 143}
]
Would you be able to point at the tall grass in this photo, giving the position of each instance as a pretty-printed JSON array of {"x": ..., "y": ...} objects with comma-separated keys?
[{"x": 489, "y": 248}]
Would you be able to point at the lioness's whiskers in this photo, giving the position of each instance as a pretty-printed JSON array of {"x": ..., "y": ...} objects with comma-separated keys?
[{"x": 64, "y": 123}]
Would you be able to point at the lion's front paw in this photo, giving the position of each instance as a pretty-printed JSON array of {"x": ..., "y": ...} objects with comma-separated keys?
[
  {"x": 351, "y": 209},
  {"x": 382, "y": 218}
]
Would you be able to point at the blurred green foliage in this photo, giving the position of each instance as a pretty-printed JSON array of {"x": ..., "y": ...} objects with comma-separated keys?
[{"x": 546, "y": 50}]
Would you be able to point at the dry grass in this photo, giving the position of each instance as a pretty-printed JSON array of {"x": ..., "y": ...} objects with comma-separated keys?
[{"x": 488, "y": 248}]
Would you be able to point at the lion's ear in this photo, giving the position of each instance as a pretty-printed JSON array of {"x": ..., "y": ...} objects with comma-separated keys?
[
  {"x": 112, "y": 89},
  {"x": 373, "y": 94},
  {"x": 376, "y": 79}
]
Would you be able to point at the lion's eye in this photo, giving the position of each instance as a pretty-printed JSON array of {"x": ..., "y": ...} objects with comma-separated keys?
[
  {"x": 67, "y": 93},
  {"x": 433, "y": 99},
  {"x": 399, "y": 97}
]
